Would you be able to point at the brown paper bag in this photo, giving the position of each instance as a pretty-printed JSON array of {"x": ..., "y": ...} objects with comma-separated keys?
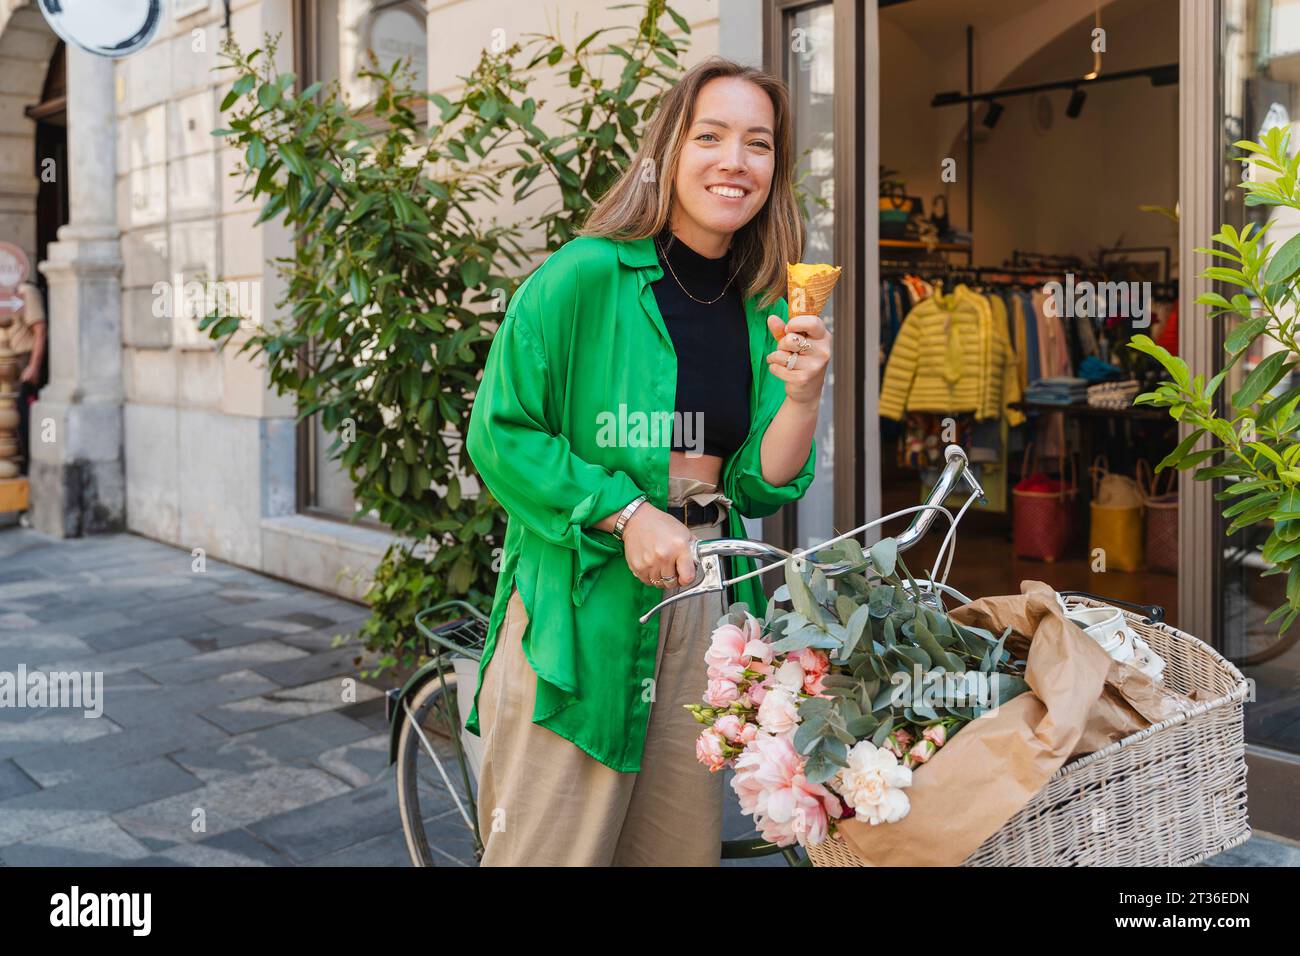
[{"x": 1079, "y": 701}]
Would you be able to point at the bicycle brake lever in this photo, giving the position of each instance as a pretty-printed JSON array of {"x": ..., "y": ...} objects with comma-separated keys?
[{"x": 710, "y": 582}]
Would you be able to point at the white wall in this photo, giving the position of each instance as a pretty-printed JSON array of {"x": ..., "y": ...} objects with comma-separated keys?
[{"x": 1068, "y": 189}]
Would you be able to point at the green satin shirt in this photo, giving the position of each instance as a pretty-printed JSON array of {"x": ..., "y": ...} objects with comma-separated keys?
[{"x": 581, "y": 337}]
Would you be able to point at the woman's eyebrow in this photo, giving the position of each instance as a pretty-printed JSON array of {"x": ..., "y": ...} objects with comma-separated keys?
[{"x": 752, "y": 129}]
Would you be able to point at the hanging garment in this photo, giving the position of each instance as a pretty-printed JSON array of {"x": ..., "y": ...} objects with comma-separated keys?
[
  {"x": 1026, "y": 320},
  {"x": 949, "y": 334}
]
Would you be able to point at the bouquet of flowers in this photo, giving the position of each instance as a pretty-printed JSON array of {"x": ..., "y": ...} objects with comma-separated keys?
[{"x": 826, "y": 710}]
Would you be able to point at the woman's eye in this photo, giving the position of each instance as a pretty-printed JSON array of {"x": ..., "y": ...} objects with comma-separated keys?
[{"x": 757, "y": 142}]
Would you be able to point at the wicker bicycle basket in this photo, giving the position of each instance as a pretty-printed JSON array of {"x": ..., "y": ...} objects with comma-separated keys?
[{"x": 1172, "y": 794}]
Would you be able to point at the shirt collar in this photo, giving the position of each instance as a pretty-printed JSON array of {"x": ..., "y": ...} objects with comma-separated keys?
[
  {"x": 637, "y": 253},
  {"x": 641, "y": 254}
]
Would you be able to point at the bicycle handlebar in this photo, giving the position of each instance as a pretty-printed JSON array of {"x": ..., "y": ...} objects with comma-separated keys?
[{"x": 708, "y": 554}]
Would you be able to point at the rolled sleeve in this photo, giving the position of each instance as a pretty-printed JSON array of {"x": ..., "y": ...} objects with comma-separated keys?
[{"x": 755, "y": 497}]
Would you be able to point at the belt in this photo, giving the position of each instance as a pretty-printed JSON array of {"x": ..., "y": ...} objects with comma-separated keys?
[{"x": 693, "y": 515}]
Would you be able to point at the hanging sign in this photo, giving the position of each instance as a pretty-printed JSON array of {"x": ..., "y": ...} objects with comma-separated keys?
[{"x": 112, "y": 28}]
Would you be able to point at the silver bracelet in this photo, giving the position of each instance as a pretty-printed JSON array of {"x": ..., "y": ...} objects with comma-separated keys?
[{"x": 626, "y": 513}]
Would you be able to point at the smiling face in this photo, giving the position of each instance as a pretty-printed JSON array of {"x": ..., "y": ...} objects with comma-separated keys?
[{"x": 724, "y": 172}]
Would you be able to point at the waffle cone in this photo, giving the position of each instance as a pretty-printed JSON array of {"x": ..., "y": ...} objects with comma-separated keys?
[{"x": 809, "y": 285}]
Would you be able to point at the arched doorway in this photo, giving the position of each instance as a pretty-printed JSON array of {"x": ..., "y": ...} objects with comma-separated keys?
[{"x": 33, "y": 192}]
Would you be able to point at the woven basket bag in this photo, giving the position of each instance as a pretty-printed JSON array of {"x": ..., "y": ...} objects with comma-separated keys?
[
  {"x": 1173, "y": 794},
  {"x": 1161, "y": 518},
  {"x": 1041, "y": 521}
]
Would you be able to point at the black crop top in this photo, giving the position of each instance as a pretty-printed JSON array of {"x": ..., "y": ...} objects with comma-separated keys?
[{"x": 712, "y": 344}]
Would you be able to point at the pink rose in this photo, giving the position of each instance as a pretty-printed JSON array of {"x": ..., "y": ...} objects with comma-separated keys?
[
  {"x": 729, "y": 726},
  {"x": 937, "y": 734},
  {"x": 815, "y": 665},
  {"x": 721, "y": 693},
  {"x": 733, "y": 672},
  {"x": 708, "y": 750},
  {"x": 727, "y": 646},
  {"x": 756, "y": 692},
  {"x": 771, "y": 786},
  {"x": 922, "y": 751},
  {"x": 778, "y": 714}
]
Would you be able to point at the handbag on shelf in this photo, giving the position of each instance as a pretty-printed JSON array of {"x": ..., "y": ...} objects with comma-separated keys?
[
  {"x": 897, "y": 210},
  {"x": 1042, "y": 510},
  {"x": 1161, "y": 517},
  {"x": 1116, "y": 518}
]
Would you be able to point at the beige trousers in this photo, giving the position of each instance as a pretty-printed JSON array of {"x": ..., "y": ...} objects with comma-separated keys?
[{"x": 544, "y": 802}]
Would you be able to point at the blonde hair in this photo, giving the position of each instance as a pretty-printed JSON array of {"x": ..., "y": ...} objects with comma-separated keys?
[{"x": 762, "y": 247}]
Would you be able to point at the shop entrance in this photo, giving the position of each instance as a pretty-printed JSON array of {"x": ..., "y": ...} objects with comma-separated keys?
[
  {"x": 1024, "y": 238},
  {"x": 978, "y": 165}
]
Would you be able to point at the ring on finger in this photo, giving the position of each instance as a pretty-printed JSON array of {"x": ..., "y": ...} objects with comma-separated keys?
[{"x": 789, "y": 363}]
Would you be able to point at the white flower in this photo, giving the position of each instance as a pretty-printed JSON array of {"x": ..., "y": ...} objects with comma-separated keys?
[
  {"x": 778, "y": 713},
  {"x": 790, "y": 675},
  {"x": 872, "y": 784}
]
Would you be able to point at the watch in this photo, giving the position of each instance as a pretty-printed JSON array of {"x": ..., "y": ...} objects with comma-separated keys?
[{"x": 626, "y": 513}]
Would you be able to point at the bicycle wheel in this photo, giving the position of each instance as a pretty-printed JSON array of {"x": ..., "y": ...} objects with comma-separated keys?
[{"x": 431, "y": 773}]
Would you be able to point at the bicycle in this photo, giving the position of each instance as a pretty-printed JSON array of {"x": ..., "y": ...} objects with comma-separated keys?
[{"x": 429, "y": 697}]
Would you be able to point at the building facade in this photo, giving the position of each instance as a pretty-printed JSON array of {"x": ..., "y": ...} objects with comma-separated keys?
[{"x": 144, "y": 426}]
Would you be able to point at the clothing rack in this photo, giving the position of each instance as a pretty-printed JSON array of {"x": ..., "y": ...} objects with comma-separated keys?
[{"x": 1021, "y": 276}]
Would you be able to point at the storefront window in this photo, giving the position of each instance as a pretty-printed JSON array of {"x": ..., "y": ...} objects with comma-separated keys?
[
  {"x": 351, "y": 30},
  {"x": 810, "y": 75},
  {"x": 1261, "y": 75},
  {"x": 339, "y": 37}
]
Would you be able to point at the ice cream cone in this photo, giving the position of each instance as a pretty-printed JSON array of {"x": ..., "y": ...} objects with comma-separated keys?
[{"x": 809, "y": 285}]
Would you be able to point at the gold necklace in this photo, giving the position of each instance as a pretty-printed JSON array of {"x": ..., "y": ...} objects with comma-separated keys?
[{"x": 664, "y": 253}]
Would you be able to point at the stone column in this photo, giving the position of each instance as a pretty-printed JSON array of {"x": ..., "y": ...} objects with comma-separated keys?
[{"x": 77, "y": 475}]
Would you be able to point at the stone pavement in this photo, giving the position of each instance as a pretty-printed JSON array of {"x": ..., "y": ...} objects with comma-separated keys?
[{"x": 223, "y": 691}]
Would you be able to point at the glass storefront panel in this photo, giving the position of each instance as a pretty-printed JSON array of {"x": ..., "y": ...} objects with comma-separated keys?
[
  {"x": 810, "y": 76},
  {"x": 1261, "y": 90}
]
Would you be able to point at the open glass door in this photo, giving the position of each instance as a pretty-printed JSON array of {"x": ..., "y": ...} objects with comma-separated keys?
[
  {"x": 1260, "y": 76},
  {"x": 817, "y": 49}
]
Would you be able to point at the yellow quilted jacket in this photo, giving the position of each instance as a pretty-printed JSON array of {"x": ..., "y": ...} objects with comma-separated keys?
[{"x": 952, "y": 355}]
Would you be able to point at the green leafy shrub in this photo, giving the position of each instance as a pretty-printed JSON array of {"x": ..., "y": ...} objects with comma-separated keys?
[{"x": 1253, "y": 442}]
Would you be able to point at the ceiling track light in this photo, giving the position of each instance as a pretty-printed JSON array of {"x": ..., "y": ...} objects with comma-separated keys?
[{"x": 1164, "y": 75}]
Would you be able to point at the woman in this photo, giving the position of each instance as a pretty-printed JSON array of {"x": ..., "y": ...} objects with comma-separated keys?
[{"x": 644, "y": 389}]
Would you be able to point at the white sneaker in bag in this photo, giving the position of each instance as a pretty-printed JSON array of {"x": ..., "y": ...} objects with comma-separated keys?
[{"x": 1109, "y": 627}]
